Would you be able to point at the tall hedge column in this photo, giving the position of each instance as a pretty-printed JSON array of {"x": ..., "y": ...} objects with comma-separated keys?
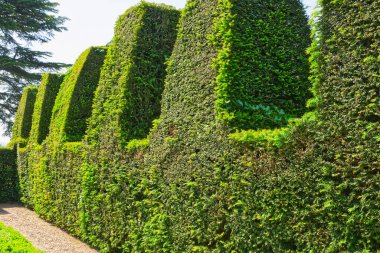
[
  {"x": 349, "y": 106},
  {"x": 23, "y": 119},
  {"x": 125, "y": 105},
  {"x": 235, "y": 65}
]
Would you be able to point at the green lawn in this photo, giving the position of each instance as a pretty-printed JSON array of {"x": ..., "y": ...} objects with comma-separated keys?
[{"x": 13, "y": 241}]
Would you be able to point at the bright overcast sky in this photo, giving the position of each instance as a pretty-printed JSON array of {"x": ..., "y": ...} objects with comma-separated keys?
[{"x": 91, "y": 24}]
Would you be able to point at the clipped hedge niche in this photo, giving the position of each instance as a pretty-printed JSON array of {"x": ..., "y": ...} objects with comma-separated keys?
[{"x": 262, "y": 66}]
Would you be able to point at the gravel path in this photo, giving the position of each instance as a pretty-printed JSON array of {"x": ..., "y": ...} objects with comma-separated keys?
[{"x": 41, "y": 234}]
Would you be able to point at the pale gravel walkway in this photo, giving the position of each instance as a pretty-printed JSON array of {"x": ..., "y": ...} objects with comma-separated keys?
[{"x": 41, "y": 234}]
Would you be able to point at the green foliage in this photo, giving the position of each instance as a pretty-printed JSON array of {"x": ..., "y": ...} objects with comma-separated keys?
[
  {"x": 193, "y": 185},
  {"x": 13, "y": 241},
  {"x": 261, "y": 64},
  {"x": 47, "y": 185},
  {"x": 273, "y": 138},
  {"x": 47, "y": 92},
  {"x": 63, "y": 184},
  {"x": 349, "y": 109},
  {"x": 134, "y": 144},
  {"x": 339, "y": 38},
  {"x": 73, "y": 104},
  {"x": 130, "y": 96},
  {"x": 23, "y": 120},
  {"x": 315, "y": 57},
  {"x": 126, "y": 103},
  {"x": 9, "y": 186},
  {"x": 269, "y": 137}
]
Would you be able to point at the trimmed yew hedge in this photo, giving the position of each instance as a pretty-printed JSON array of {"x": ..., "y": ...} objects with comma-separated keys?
[
  {"x": 73, "y": 104},
  {"x": 46, "y": 184},
  {"x": 349, "y": 136},
  {"x": 23, "y": 120},
  {"x": 192, "y": 186},
  {"x": 47, "y": 92},
  {"x": 125, "y": 105},
  {"x": 319, "y": 193},
  {"x": 9, "y": 186},
  {"x": 129, "y": 93}
]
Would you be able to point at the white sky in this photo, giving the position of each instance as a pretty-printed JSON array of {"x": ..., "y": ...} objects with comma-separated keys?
[{"x": 91, "y": 24}]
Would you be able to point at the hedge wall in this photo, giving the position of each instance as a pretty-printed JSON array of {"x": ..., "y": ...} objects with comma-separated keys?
[
  {"x": 174, "y": 194},
  {"x": 9, "y": 187},
  {"x": 349, "y": 108},
  {"x": 54, "y": 183},
  {"x": 191, "y": 185},
  {"x": 319, "y": 193},
  {"x": 23, "y": 120},
  {"x": 47, "y": 92},
  {"x": 47, "y": 185}
]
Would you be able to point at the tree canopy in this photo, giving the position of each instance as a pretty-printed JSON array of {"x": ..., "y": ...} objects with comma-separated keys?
[{"x": 22, "y": 23}]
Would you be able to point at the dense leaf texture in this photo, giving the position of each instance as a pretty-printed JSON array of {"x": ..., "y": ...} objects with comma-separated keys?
[
  {"x": 23, "y": 22},
  {"x": 191, "y": 185},
  {"x": 262, "y": 63},
  {"x": 23, "y": 122},
  {"x": 46, "y": 95},
  {"x": 52, "y": 173},
  {"x": 73, "y": 104},
  {"x": 129, "y": 94},
  {"x": 9, "y": 185},
  {"x": 63, "y": 108},
  {"x": 125, "y": 105}
]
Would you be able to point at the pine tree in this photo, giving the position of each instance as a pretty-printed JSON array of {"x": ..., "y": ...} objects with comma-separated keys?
[{"x": 22, "y": 23}]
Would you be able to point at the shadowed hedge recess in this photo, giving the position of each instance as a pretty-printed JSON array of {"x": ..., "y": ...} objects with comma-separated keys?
[
  {"x": 262, "y": 64},
  {"x": 9, "y": 186}
]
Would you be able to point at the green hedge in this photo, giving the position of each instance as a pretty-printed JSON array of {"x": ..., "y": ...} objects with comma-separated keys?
[
  {"x": 73, "y": 104},
  {"x": 46, "y": 184},
  {"x": 349, "y": 108},
  {"x": 320, "y": 192},
  {"x": 9, "y": 186},
  {"x": 54, "y": 183},
  {"x": 23, "y": 120},
  {"x": 262, "y": 63},
  {"x": 132, "y": 79},
  {"x": 125, "y": 105},
  {"x": 191, "y": 185},
  {"x": 47, "y": 92}
]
